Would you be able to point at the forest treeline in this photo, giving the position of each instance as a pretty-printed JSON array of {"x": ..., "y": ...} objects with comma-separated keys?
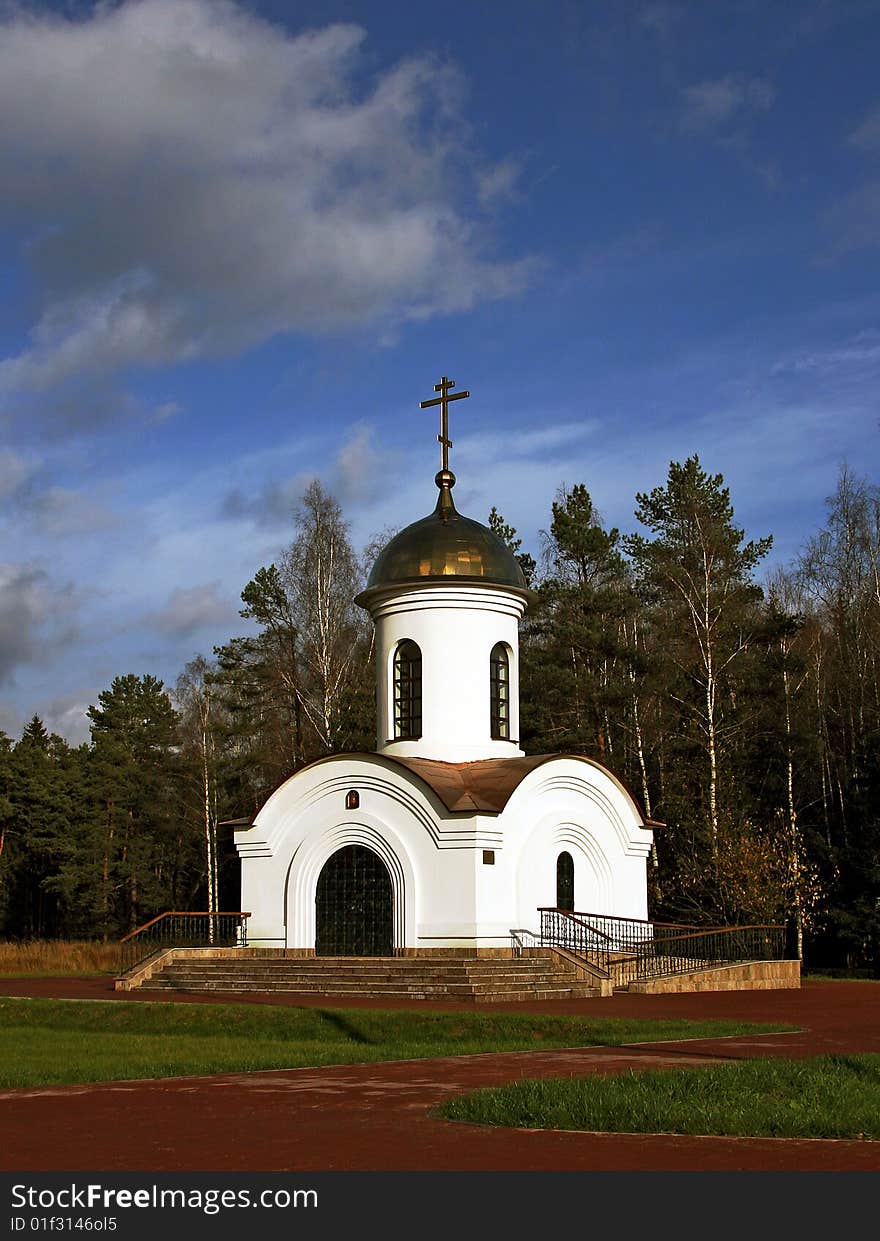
[{"x": 740, "y": 707}]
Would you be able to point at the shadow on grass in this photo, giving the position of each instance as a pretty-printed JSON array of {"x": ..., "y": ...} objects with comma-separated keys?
[{"x": 345, "y": 1027}]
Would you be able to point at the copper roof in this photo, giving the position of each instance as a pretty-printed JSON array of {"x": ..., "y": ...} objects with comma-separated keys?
[
  {"x": 443, "y": 546},
  {"x": 487, "y": 784}
]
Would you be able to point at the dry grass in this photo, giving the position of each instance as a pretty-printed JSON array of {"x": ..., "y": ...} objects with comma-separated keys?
[{"x": 51, "y": 957}]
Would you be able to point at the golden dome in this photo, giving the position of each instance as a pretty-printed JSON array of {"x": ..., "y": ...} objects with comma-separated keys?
[{"x": 443, "y": 546}]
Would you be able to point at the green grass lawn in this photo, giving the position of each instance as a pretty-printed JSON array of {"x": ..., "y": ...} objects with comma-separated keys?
[
  {"x": 45, "y": 1042},
  {"x": 826, "y": 1097}
]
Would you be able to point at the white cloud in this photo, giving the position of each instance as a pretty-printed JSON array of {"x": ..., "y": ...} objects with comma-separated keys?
[
  {"x": 499, "y": 181},
  {"x": 867, "y": 135},
  {"x": 11, "y": 720},
  {"x": 194, "y": 180},
  {"x": 14, "y": 474},
  {"x": 36, "y": 617},
  {"x": 360, "y": 472},
  {"x": 861, "y": 355},
  {"x": 659, "y": 18},
  {"x": 168, "y": 409},
  {"x": 36, "y": 507},
  {"x": 272, "y": 504},
  {"x": 193, "y": 608},
  {"x": 68, "y": 716},
  {"x": 356, "y": 475},
  {"x": 853, "y": 223},
  {"x": 710, "y": 105},
  {"x": 59, "y": 512},
  {"x": 554, "y": 442}
]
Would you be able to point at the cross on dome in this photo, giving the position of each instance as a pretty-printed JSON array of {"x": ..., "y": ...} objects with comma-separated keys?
[{"x": 443, "y": 387}]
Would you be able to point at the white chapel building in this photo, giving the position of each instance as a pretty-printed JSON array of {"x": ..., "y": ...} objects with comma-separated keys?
[{"x": 447, "y": 837}]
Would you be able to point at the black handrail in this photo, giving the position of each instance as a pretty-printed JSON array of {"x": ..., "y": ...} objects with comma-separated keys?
[
  {"x": 632, "y": 949},
  {"x": 182, "y": 929}
]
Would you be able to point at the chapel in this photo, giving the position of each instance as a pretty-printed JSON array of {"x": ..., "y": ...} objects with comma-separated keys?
[{"x": 448, "y": 836}]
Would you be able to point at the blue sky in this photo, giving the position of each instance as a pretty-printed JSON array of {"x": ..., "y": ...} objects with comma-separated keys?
[{"x": 240, "y": 243}]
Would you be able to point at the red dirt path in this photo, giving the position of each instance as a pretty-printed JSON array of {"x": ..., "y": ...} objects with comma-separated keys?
[{"x": 377, "y": 1116}]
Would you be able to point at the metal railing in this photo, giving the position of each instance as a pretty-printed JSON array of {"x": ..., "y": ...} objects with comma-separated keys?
[
  {"x": 703, "y": 949},
  {"x": 182, "y": 929},
  {"x": 632, "y": 949},
  {"x": 520, "y": 939}
]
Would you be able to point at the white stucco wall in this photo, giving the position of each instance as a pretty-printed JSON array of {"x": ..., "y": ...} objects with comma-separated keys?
[
  {"x": 577, "y": 806},
  {"x": 455, "y": 627},
  {"x": 444, "y": 894},
  {"x": 429, "y": 855}
]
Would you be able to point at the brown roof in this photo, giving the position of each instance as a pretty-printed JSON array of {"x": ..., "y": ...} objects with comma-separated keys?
[
  {"x": 489, "y": 783},
  {"x": 485, "y": 785}
]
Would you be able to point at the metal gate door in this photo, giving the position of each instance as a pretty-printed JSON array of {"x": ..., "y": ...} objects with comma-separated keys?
[{"x": 354, "y": 906}]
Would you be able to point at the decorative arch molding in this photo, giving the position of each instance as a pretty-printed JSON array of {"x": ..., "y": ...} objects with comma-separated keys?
[
  {"x": 611, "y": 803},
  {"x": 301, "y": 879},
  {"x": 574, "y": 836},
  {"x": 536, "y": 871},
  {"x": 377, "y": 783},
  {"x": 287, "y": 805}
]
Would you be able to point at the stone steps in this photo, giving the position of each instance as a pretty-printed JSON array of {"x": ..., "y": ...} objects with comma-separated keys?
[
  {"x": 464, "y": 979},
  {"x": 355, "y": 988},
  {"x": 281, "y": 972},
  {"x": 355, "y": 981},
  {"x": 494, "y": 995}
]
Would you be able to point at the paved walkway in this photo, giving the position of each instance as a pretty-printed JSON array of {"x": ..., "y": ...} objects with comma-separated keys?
[{"x": 378, "y": 1116}]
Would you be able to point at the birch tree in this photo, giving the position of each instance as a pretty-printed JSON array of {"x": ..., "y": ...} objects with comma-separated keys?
[
  {"x": 789, "y": 668},
  {"x": 198, "y": 709},
  {"x": 839, "y": 572},
  {"x": 296, "y": 689},
  {"x": 321, "y": 575},
  {"x": 698, "y": 570}
]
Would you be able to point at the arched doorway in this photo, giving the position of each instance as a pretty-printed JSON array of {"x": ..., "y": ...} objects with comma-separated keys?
[
  {"x": 565, "y": 882},
  {"x": 354, "y": 914}
]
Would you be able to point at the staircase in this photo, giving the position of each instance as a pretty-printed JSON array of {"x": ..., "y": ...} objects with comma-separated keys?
[{"x": 467, "y": 979}]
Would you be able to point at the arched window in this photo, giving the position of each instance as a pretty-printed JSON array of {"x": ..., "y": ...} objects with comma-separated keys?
[
  {"x": 565, "y": 882},
  {"x": 499, "y": 692},
  {"x": 407, "y": 691}
]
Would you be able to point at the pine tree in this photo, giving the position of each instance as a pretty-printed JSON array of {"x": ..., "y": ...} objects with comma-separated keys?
[
  {"x": 695, "y": 576},
  {"x": 37, "y": 836},
  {"x": 580, "y": 657},
  {"x": 507, "y": 535},
  {"x": 149, "y": 859}
]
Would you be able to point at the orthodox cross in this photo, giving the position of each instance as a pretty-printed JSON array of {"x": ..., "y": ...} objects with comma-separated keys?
[{"x": 443, "y": 401}]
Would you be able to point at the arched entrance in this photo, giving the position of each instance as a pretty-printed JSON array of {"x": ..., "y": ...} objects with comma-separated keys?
[{"x": 354, "y": 914}]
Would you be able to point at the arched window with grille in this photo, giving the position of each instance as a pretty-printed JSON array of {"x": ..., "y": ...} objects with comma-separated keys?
[
  {"x": 407, "y": 691},
  {"x": 499, "y": 692},
  {"x": 565, "y": 882}
]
